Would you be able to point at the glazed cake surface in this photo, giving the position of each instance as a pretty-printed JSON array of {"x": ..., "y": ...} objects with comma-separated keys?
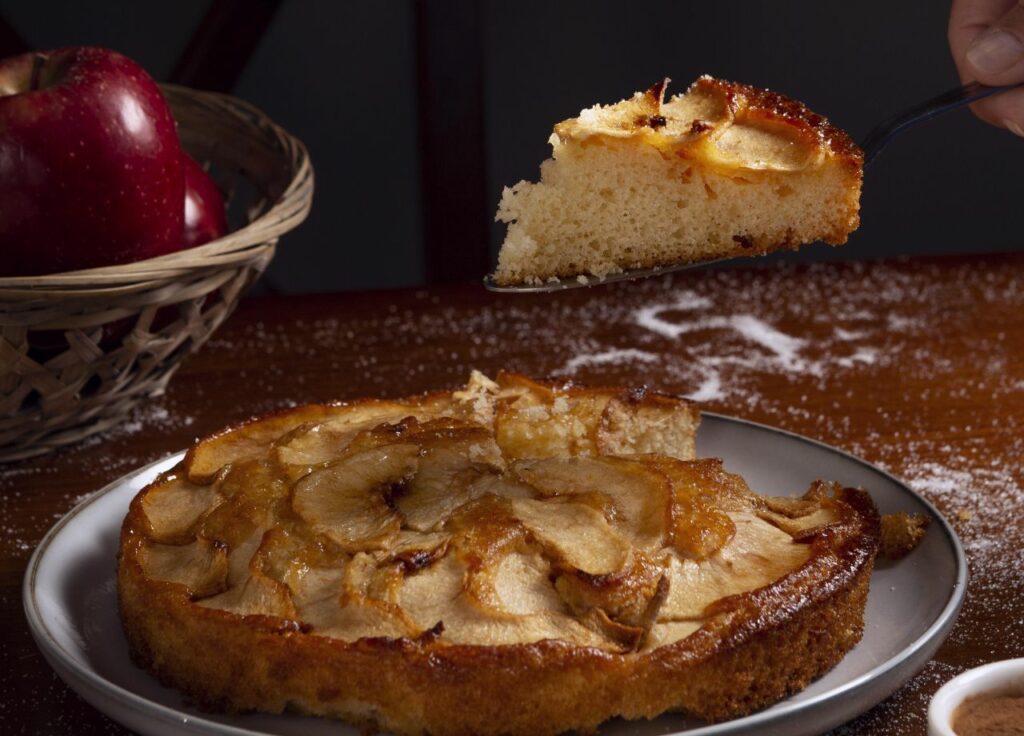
[
  {"x": 722, "y": 170},
  {"x": 514, "y": 557}
]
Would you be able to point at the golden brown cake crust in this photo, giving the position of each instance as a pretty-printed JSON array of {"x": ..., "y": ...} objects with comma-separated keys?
[
  {"x": 753, "y": 648},
  {"x": 753, "y": 658}
]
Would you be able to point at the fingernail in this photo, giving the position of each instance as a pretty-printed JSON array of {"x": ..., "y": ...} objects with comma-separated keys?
[
  {"x": 1013, "y": 128},
  {"x": 995, "y": 51}
]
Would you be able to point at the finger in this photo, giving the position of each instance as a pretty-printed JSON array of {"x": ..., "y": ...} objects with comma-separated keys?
[
  {"x": 996, "y": 55},
  {"x": 968, "y": 19},
  {"x": 1003, "y": 111}
]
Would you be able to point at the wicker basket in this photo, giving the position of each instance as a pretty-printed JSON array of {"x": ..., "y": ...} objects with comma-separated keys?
[{"x": 111, "y": 337}]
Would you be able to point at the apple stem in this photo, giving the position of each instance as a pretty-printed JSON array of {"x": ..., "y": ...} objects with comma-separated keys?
[{"x": 37, "y": 71}]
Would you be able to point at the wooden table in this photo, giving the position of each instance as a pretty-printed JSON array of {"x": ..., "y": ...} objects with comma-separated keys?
[{"x": 917, "y": 366}]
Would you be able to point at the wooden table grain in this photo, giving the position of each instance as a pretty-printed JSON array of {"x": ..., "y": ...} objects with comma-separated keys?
[{"x": 917, "y": 366}]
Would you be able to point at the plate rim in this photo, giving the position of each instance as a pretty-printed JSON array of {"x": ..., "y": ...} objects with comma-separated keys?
[
  {"x": 86, "y": 675},
  {"x": 936, "y": 631},
  {"x": 939, "y": 628}
]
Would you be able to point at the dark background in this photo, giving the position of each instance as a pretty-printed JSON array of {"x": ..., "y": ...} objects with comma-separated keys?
[{"x": 417, "y": 113}]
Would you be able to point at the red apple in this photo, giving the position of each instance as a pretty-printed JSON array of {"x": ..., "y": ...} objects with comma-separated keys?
[
  {"x": 90, "y": 164},
  {"x": 205, "y": 218}
]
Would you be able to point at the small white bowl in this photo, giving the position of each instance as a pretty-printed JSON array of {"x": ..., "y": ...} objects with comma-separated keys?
[{"x": 996, "y": 678}]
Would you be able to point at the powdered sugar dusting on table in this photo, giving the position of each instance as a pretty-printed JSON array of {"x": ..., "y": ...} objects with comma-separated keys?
[
  {"x": 152, "y": 416},
  {"x": 609, "y": 356}
]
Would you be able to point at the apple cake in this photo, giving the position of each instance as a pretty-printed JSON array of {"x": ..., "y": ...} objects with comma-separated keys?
[
  {"x": 723, "y": 170},
  {"x": 516, "y": 557}
]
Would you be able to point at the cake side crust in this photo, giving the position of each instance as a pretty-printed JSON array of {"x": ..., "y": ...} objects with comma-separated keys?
[{"x": 752, "y": 654}]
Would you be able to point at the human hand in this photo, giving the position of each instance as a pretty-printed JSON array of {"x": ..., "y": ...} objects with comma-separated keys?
[{"x": 986, "y": 38}]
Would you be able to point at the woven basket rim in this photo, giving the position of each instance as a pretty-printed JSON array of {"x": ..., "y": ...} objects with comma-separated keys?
[{"x": 237, "y": 246}]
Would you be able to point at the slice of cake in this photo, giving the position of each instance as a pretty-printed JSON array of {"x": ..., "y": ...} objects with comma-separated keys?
[{"x": 723, "y": 170}]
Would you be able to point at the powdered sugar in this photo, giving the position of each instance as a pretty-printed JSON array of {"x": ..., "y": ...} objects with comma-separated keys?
[
  {"x": 783, "y": 347},
  {"x": 710, "y": 389},
  {"x": 938, "y": 480},
  {"x": 606, "y": 357},
  {"x": 860, "y": 355},
  {"x": 20, "y": 531},
  {"x": 981, "y": 500},
  {"x": 906, "y": 711}
]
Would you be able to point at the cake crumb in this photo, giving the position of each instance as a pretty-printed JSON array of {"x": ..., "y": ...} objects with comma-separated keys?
[{"x": 901, "y": 533}]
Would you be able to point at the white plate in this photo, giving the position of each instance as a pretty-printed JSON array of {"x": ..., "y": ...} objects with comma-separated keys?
[{"x": 71, "y": 603}]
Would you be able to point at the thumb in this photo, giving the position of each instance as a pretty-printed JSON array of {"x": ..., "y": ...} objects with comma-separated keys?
[{"x": 996, "y": 56}]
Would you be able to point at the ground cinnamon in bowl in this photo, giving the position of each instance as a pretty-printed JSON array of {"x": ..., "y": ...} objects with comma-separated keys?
[{"x": 990, "y": 715}]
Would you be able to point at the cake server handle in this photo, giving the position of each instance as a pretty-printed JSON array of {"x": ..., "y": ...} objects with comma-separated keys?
[{"x": 880, "y": 136}]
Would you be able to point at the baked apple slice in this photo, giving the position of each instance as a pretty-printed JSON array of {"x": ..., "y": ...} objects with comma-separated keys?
[
  {"x": 173, "y": 505},
  {"x": 247, "y": 440},
  {"x": 345, "y": 501},
  {"x": 253, "y": 438},
  {"x": 445, "y": 477},
  {"x": 257, "y": 595},
  {"x": 640, "y": 494},
  {"x": 201, "y": 565},
  {"x": 577, "y": 535}
]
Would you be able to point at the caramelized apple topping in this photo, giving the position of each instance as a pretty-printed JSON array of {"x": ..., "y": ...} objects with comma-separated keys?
[
  {"x": 346, "y": 501},
  {"x": 255, "y": 488},
  {"x": 445, "y": 476},
  {"x": 483, "y": 533},
  {"x": 757, "y": 555},
  {"x": 511, "y": 512},
  {"x": 201, "y": 566},
  {"x": 250, "y": 440},
  {"x": 702, "y": 493},
  {"x": 310, "y": 585},
  {"x": 734, "y": 129},
  {"x": 281, "y": 547},
  {"x": 311, "y": 445},
  {"x": 576, "y": 534},
  {"x": 414, "y": 551},
  {"x": 628, "y": 637},
  {"x": 624, "y": 596},
  {"x": 173, "y": 505},
  {"x": 256, "y": 595},
  {"x": 639, "y": 494},
  {"x": 359, "y": 617}
]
